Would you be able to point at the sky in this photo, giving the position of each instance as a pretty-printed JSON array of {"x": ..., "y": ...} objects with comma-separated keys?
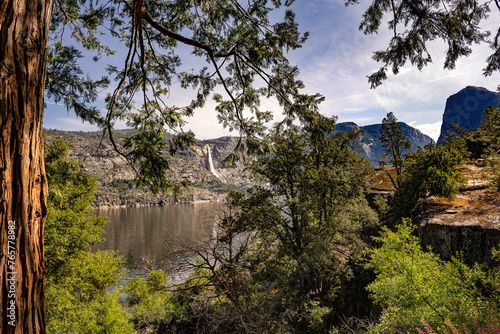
[{"x": 335, "y": 62}]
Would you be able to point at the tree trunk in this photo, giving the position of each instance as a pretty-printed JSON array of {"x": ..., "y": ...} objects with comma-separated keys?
[{"x": 24, "y": 28}]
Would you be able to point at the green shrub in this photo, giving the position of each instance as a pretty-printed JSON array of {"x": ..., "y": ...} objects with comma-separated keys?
[
  {"x": 78, "y": 301},
  {"x": 152, "y": 305},
  {"x": 412, "y": 284},
  {"x": 77, "y": 297}
]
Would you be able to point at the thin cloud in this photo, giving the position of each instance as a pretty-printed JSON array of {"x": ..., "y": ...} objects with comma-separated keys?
[{"x": 433, "y": 130}]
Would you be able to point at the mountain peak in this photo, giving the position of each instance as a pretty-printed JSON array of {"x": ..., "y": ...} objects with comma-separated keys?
[{"x": 371, "y": 144}]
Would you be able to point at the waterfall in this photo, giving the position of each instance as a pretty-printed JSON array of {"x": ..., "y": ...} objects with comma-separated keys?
[{"x": 211, "y": 164}]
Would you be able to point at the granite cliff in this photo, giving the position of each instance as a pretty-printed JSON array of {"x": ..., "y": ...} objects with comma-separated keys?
[
  {"x": 201, "y": 165},
  {"x": 466, "y": 107},
  {"x": 469, "y": 224}
]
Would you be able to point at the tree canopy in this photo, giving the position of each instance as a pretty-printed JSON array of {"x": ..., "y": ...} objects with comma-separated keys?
[
  {"x": 460, "y": 24},
  {"x": 77, "y": 279}
]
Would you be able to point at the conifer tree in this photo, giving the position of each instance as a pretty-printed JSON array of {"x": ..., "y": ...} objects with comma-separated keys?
[
  {"x": 395, "y": 144},
  {"x": 416, "y": 23}
]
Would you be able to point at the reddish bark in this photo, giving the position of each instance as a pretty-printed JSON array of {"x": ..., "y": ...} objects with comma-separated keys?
[{"x": 24, "y": 27}]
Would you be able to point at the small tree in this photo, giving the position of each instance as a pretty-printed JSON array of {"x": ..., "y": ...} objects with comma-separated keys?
[
  {"x": 429, "y": 171},
  {"x": 489, "y": 131},
  {"x": 396, "y": 146}
]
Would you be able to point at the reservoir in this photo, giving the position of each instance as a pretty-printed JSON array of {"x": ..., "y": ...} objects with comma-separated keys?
[{"x": 157, "y": 237}]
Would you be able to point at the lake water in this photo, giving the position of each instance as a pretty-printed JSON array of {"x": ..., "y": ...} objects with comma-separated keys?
[{"x": 160, "y": 237}]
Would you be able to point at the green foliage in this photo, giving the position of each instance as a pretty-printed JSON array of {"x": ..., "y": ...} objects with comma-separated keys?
[
  {"x": 151, "y": 303},
  {"x": 496, "y": 178},
  {"x": 308, "y": 219},
  {"x": 122, "y": 185},
  {"x": 194, "y": 306},
  {"x": 412, "y": 285},
  {"x": 428, "y": 172},
  {"x": 146, "y": 158},
  {"x": 71, "y": 227},
  {"x": 395, "y": 145},
  {"x": 65, "y": 82},
  {"x": 103, "y": 314},
  {"x": 380, "y": 203},
  {"x": 483, "y": 141},
  {"x": 490, "y": 130},
  {"x": 89, "y": 274},
  {"x": 77, "y": 298}
]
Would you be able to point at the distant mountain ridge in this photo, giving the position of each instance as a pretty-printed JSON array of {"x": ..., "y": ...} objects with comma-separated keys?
[
  {"x": 201, "y": 164},
  {"x": 371, "y": 144},
  {"x": 466, "y": 107}
]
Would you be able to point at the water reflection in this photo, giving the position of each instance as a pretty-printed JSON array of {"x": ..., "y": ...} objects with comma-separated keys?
[{"x": 155, "y": 234}]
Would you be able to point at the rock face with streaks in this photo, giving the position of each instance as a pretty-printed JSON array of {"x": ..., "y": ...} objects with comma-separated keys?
[
  {"x": 204, "y": 168},
  {"x": 466, "y": 107}
]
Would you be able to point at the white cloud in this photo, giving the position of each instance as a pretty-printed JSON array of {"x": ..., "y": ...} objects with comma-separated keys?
[
  {"x": 433, "y": 130},
  {"x": 358, "y": 120}
]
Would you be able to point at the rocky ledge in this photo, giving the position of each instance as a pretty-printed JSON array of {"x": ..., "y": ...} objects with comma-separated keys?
[{"x": 469, "y": 224}]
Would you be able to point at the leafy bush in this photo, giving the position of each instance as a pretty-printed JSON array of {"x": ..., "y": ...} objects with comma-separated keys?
[
  {"x": 412, "y": 284},
  {"x": 78, "y": 300},
  {"x": 150, "y": 301}
]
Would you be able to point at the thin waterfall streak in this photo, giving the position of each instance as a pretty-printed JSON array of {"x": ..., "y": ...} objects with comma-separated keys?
[{"x": 211, "y": 164}]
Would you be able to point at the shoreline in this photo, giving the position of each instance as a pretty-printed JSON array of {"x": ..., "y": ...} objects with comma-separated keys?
[{"x": 159, "y": 203}]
